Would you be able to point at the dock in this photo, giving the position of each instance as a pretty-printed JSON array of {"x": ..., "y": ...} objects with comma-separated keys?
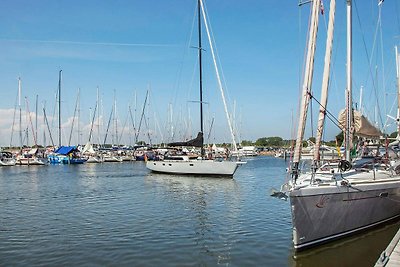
[{"x": 390, "y": 257}]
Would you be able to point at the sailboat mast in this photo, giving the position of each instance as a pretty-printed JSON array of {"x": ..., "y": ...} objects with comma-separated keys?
[
  {"x": 59, "y": 108},
  {"x": 20, "y": 112},
  {"x": 79, "y": 115},
  {"x": 325, "y": 80},
  {"x": 349, "y": 112},
  {"x": 36, "y": 121},
  {"x": 73, "y": 119},
  {"x": 200, "y": 68},
  {"x": 115, "y": 118},
  {"x": 44, "y": 130},
  {"x": 398, "y": 89},
  {"x": 98, "y": 115},
  {"x": 307, "y": 82}
]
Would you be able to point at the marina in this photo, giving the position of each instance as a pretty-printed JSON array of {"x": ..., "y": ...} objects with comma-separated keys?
[
  {"x": 122, "y": 214},
  {"x": 158, "y": 138}
]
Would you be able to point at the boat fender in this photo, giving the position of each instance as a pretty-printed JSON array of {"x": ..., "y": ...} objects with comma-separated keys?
[{"x": 344, "y": 165}]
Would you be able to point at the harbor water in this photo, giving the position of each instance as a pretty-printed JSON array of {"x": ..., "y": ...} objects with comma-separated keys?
[{"x": 120, "y": 214}]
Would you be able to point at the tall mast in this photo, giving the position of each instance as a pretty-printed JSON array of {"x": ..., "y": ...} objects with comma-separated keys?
[
  {"x": 349, "y": 112},
  {"x": 20, "y": 112},
  {"x": 325, "y": 80},
  {"x": 398, "y": 90},
  {"x": 98, "y": 115},
  {"x": 307, "y": 82},
  {"x": 361, "y": 99},
  {"x": 44, "y": 130},
  {"x": 200, "y": 71},
  {"x": 134, "y": 117},
  {"x": 115, "y": 118},
  {"x": 36, "y": 114},
  {"x": 200, "y": 67},
  {"x": 59, "y": 108},
  {"x": 79, "y": 115},
  {"x": 73, "y": 118}
]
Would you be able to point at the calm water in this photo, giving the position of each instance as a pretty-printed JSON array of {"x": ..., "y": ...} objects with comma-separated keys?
[{"x": 119, "y": 214}]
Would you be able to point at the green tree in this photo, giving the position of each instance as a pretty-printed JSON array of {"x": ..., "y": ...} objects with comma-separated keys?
[
  {"x": 340, "y": 138},
  {"x": 246, "y": 143},
  {"x": 273, "y": 141}
]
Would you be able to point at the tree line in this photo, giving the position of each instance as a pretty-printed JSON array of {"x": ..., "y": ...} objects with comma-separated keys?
[{"x": 276, "y": 141}]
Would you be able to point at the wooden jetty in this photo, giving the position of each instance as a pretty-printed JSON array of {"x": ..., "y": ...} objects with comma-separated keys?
[{"x": 390, "y": 257}]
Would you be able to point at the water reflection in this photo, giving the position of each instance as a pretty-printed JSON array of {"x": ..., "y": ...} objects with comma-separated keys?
[
  {"x": 212, "y": 204},
  {"x": 359, "y": 250}
]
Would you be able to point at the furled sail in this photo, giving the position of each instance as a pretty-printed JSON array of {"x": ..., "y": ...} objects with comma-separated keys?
[
  {"x": 197, "y": 142},
  {"x": 362, "y": 127}
]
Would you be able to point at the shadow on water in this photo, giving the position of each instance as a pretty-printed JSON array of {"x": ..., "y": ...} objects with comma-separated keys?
[{"x": 359, "y": 250}]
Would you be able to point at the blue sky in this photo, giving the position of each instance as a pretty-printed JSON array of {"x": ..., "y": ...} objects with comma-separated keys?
[{"x": 131, "y": 46}]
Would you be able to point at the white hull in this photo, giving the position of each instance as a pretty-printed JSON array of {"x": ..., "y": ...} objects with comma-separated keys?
[
  {"x": 330, "y": 210},
  {"x": 194, "y": 167},
  {"x": 112, "y": 159},
  {"x": 7, "y": 162},
  {"x": 92, "y": 159},
  {"x": 31, "y": 161}
]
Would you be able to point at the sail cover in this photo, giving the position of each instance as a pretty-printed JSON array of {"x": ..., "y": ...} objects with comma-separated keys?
[
  {"x": 362, "y": 127},
  {"x": 65, "y": 150},
  {"x": 197, "y": 142}
]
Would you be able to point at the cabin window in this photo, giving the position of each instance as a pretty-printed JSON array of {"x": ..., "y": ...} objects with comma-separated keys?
[
  {"x": 170, "y": 164},
  {"x": 163, "y": 164},
  {"x": 191, "y": 164}
]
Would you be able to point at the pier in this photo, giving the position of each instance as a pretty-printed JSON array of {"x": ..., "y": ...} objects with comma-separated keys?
[{"x": 391, "y": 255}]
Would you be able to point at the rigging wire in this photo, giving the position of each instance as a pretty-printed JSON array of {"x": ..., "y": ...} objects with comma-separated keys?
[
  {"x": 302, "y": 64},
  {"x": 220, "y": 66},
  {"x": 178, "y": 79},
  {"x": 311, "y": 117},
  {"x": 370, "y": 58},
  {"x": 329, "y": 115}
]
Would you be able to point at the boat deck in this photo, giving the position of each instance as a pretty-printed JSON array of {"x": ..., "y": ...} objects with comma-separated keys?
[{"x": 390, "y": 257}]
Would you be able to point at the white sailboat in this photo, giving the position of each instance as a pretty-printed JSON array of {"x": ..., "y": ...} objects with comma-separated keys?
[
  {"x": 201, "y": 165},
  {"x": 7, "y": 159},
  {"x": 33, "y": 156},
  {"x": 336, "y": 200},
  {"x": 88, "y": 151}
]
